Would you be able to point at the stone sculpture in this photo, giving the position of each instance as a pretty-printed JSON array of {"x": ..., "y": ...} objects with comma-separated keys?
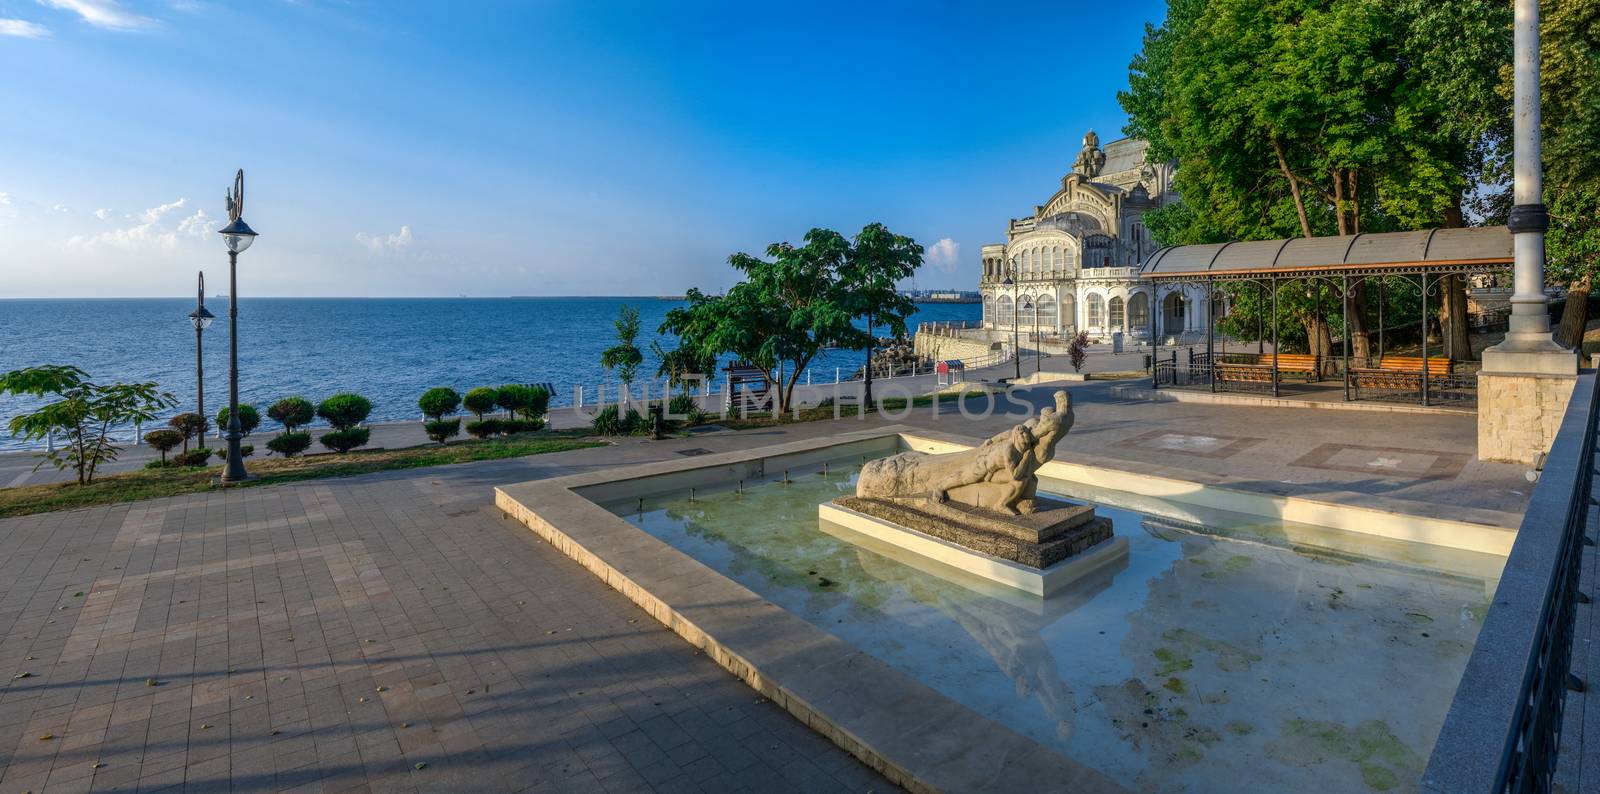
[{"x": 999, "y": 475}]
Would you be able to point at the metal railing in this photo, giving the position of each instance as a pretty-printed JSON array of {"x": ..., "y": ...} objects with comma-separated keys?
[{"x": 1504, "y": 725}]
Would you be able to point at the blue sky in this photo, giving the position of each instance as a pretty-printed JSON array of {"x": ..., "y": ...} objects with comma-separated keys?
[{"x": 396, "y": 148}]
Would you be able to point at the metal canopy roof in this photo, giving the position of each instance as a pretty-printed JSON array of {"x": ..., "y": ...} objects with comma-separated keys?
[{"x": 1431, "y": 250}]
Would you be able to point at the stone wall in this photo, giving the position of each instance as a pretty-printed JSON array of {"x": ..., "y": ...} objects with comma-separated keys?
[
  {"x": 942, "y": 348},
  {"x": 1519, "y": 415}
]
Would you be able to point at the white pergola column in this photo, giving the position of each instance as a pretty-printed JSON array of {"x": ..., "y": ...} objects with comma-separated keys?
[{"x": 1526, "y": 379}]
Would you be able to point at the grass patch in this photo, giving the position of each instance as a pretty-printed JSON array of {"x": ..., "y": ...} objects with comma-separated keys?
[{"x": 143, "y": 484}]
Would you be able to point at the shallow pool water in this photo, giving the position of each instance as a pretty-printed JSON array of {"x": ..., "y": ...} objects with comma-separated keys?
[{"x": 1226, "y": 653}]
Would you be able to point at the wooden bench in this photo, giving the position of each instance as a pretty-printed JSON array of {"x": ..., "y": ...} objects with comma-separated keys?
[
  {"x": 1403, "y": 373},
  {"x": 1296, "y": 365}
]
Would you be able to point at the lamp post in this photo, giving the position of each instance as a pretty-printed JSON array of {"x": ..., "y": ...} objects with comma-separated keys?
[
  {"x": 1016, "y": 347},
  {"x": 201, "y": 320},
  {"x": 238, "y": 236}
]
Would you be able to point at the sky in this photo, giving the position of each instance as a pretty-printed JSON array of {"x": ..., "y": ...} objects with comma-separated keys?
[{"x": 539, "y": 148}]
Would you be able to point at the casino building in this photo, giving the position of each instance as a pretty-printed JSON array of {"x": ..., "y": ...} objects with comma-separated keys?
[{"x": 1073, "y": 263}]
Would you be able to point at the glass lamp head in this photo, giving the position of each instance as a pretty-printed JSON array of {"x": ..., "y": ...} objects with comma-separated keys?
[
  {"x": 201, "y": 318},
  {"x": 237, "y": 236}
]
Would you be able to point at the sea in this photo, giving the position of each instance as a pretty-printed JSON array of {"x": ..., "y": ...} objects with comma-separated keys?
[{"x": 387, "y": 349}]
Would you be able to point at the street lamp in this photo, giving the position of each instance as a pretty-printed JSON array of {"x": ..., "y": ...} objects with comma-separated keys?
[
  {"x": 1016, "y": 347},
  {"x": 201, "y": 320},
  {"x": 238, "y": 236}
]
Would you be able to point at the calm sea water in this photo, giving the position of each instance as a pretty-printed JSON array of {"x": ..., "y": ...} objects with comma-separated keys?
[{"x": 390, "y": 350}]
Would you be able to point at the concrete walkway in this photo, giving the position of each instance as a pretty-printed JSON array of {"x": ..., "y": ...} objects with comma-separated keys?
[{"x": 336, "y": 634}]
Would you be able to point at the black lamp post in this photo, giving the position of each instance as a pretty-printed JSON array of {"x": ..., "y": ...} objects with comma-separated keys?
[
  {"x": 238, "y": 236},
  {"x": 1016, "y": 347},
  {"x": 201, "y": 320}
]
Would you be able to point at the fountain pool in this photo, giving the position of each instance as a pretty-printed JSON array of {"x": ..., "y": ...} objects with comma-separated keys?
[{"x": 1227, "y": 652}]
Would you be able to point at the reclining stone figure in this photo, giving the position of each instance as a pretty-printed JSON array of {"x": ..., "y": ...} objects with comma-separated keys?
[{"x": 1000, "y": 474}]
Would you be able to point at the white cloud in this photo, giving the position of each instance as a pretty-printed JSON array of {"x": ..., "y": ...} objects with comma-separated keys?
[
  {"x": 5, "y": 199},
  {"x": 105, "y": 14},
  {"x": 102, "y": 214},
  {"x": 154, "y": 233},
  {"x": 61, "y": 208},
  {"x": 385, "y": 243},
  {"x": 944, "y": 255},
  {"x": 23, "y": 29}
]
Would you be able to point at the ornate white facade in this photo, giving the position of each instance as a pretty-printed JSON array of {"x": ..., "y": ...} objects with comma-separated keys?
[{"x": 1074, "y": 261}]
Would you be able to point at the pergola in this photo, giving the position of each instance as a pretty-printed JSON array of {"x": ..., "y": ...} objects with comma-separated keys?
[{"x": 1420, "y": 259}]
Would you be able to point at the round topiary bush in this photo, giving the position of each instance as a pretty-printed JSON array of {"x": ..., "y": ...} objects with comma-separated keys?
[
  {"x": 484, "y": 428},
  {"x": 438, "y": 401},
  {"x": 510, "y": 426},
  {"x": 163, "y": 441},
  {"x": 191, "y": 425},
  {"x": 290, "y": 444},
  {"x": 342, "y": 441},
  {"x": 514, "y": 397},
  {"x": 442, "y": 429},
  {"x": 198, "y": 456},
  {"x": 345, "y": 411},
  {"x": 481, "y": 401},
  {"x": 292, "y": 413},
  {"x": 245, "y": 450},
  {"x": 249, "y": 420}
]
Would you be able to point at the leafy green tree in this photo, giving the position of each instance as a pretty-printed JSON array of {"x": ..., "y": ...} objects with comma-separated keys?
[
  {"x": 683, "y": 365},
  {"x": 482, "y": 400},
  {"x": 87, "y": 413},
  {"x": 530, "y": 402},
  {"x": 624, "y": 357},
  {"x": 438, "y": 401},
  {"x": 292, "y": 413},
  {"x": 191, "y": 425},
  {"x": 787, "y": 309},
  {"x": 1572, "y": 247},
  {"x": 249, "y": 418},
  {"x": 345, "y": 410},
  {"x": 1317, "y": 117},
  {"x": 163, "y": 441},
  {"x": 878, "y": 259}
]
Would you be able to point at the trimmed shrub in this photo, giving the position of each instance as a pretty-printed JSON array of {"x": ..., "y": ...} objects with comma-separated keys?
[
  {"x": 163, "y": 441},
  {"x": 159, "y": 464},
  {"x": 345, "y": 411},
  {"x": 198, "y": 456},
  {"x": 292, "y": 412},
  {"x": 441, "y": 429},
  {"x": 481, "y": 401},
  {"x": 484, "y": 428},
  {"x": 438, "y": 401},
  {"x": 343, "y": 441},
  {"x": 611, "y": 422},
  {"x": 686, "y": 405},
  {"x": 191, "y": 425},
  {"x": 290, "y": 444},
  {"x": 514, "y": 397},
  {"x": 245, "y": 450},
  {"x": 510, "y": 426},
  {"x": 538, "y": 403},
  {"x": 249, "y": 420}
]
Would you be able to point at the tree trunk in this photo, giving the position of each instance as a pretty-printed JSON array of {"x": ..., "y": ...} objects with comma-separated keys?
[
  {"x": 1294, "y": 188},
  {"x": 1454, "y": 310},
  {"x": 872, "y": 342},
  {"x": 1575, "y": 315},
  {"x": 1360, "y": 335}
]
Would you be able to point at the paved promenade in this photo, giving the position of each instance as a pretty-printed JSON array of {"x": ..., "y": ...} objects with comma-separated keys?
[{"x": 336, "y": 634}]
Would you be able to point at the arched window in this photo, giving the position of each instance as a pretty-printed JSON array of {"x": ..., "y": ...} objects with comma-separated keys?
[
  {"x": 1139, "y": 311},
  {"x": 1069, "y": 312},
  {"x": 1097, "y": 311},
  {"x": 1025, "y": 315},
  {"x": 1061, "y": 261},
  {"x": 1117, "y": 319},
  {"x": 1047, "y": 313},
  {"x": 988, "y": 310},
  {"x": 1007, "y": 314}
]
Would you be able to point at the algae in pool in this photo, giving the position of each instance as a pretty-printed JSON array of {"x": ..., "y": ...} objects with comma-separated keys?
[{"x": 1202, "y": 663}]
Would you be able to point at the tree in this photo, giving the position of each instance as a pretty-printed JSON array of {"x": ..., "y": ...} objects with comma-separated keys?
[
  {"x": 787, "y": 309},
  {"x": 624, "y": 357},
  {"x": 164, "y": 441},
  {"x": 438, "y": 401},
  {"x": 345, "y": 411},
  {"x": 482, "y": 400},
  {"x": 249, "y": 418},
  {"x": 191, "y": 425},
  {"x": 1318, "y": 117},
  {"x": 87, "y": 413},
  {"x": 1572, "y": 246},
  {"x": 877, "y": 261},
  {"x": 682, "y": 364},
  {"x": 292, "y": 413}
]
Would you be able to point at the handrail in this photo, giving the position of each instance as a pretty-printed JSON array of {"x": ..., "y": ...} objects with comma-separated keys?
[{"x": 1503, "y": 728}]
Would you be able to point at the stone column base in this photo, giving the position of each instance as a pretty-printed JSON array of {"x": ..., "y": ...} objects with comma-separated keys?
[{"x": 1519, "y": 413}]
